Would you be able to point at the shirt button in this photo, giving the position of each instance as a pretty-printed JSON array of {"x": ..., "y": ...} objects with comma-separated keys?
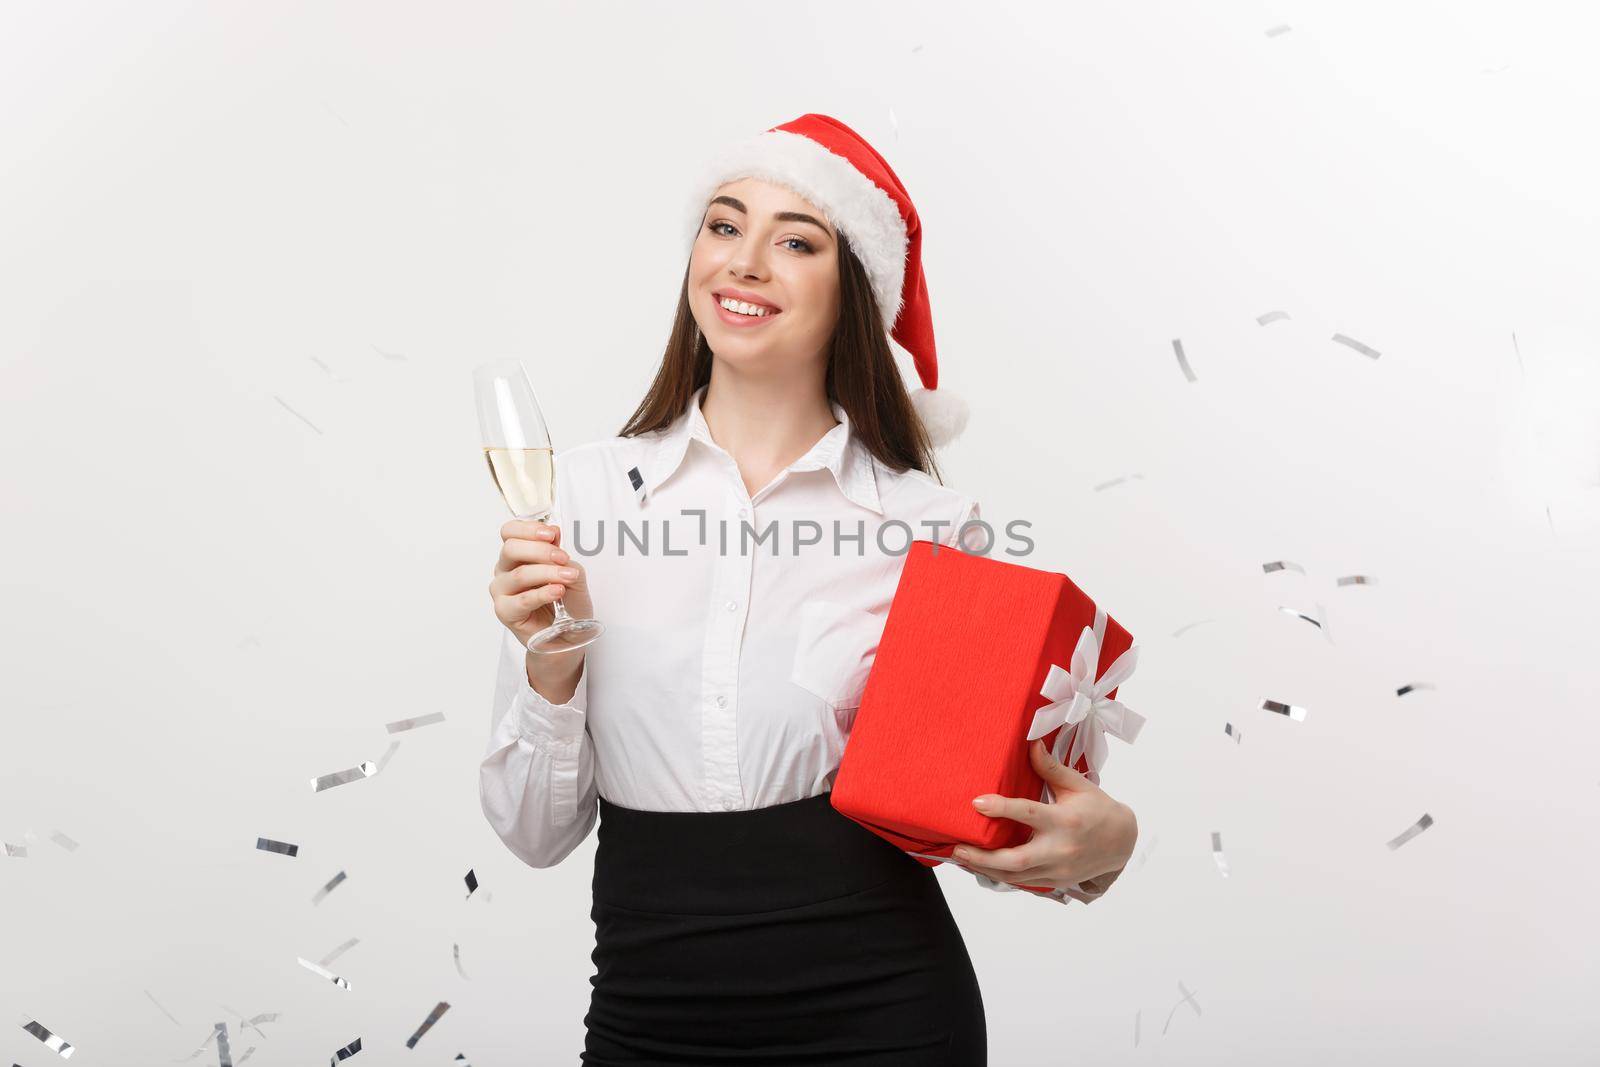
[
  {"x": 744, "y": 513},
  {"x": 729, "y": 805},
  {"x": 732, "y": 605},
  {"x": 722, "y": 702}
]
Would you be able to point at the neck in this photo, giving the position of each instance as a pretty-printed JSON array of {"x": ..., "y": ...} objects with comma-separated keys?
[{"x": 765, "y": 423}]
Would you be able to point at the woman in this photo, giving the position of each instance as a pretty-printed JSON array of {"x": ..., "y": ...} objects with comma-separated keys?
[{"x": 735, "y": 551}]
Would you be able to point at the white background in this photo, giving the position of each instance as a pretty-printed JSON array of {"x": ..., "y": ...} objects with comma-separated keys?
[{"x": 250, "y": 254}]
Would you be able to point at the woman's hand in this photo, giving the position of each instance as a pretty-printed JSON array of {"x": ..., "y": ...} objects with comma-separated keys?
[
  {"x": 533, "y": 572},
  {"x": 1084, "y": 834}
]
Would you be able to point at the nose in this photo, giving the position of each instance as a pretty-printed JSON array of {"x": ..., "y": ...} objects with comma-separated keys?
[{"x": 748, "y": 261}]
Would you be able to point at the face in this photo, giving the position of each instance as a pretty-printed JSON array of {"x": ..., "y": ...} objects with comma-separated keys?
[{"x": 763, "y": 244}]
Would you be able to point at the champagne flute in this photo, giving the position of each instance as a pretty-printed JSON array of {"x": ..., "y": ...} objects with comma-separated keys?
[{"x": 516, "y": 443}]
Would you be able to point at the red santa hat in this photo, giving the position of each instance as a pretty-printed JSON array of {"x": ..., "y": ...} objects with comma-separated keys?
[{"x": 829, "y": 164}]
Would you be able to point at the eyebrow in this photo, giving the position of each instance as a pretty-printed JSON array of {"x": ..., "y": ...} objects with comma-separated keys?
[{"x": 781, "y": 216}]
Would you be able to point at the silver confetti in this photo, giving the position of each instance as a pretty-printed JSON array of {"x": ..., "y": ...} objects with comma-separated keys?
[
  {"x": 324, "y": 972},
  {"x": 163, "y": 1011},
  {"x": 1518, "y": 349},
  {"x": 1271, "y": 316},
  {"x": 1415, "y": 829},
  {"x": 247, "y": 1054},
  {"x": 1237, "y": 735},
  {"x": 55, "y": 1044},
  {"x": 267, "y": 844},
  {"x": 1136, "y": 1029},
  {"x": 427, "y": 1024},
  {"x": 340, "y": 951},
  {"x": 1357, "y": 345},
  {"x": 1183, "y": 360},
  {"x": 17, "y": 851},
  {"x": 1278, "y": 30},
  {"x": 1117, "y": 481},
  {"x": 1189, "y": 626},
  {"x": 387, "y": 355},
  {"x": 250, "y": 1023},
  {"x": 224, "y": 1056},
  {"x": 1412, "y": 687},
  {"x": 461, "y": 1059},
  {"x": 325, "y": 890},
  {"x": 295, "y": 413},
  {"x": 354, "y": 774},
  {"x": 1300, "y": 615},
  {"x": 456, "y": 951},
  {"x": 1298, "y": 714},
  {"x": 1358, "y": 579},
  {"x": 1188, "y": 998},
  {"x": 412, "y": 724},
  {"x": 1281, "y": 565},
  {"x": 349, "y": 1050},
  {"x": 64, "y": 841},
  {"x": 472, "y": 883},
  {"x": 1216, "y": 853}
]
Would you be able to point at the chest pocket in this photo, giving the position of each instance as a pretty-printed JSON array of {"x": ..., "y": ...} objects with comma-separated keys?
[{"x": 834, "y": 650}]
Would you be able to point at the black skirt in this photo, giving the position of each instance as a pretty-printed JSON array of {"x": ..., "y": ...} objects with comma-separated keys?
[{"x": 779, "y": 935}]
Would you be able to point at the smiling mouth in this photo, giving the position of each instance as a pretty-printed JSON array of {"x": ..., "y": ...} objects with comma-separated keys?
[{"x": 757, "y": 313}]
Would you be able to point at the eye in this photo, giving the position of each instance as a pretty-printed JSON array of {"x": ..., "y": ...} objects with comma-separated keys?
[
  {"x": 801, "y": 241},
  {"x": 713, "y": 227}
]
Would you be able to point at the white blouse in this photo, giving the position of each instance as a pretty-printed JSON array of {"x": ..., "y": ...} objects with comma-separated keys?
[{"x": 739, "y": 632}]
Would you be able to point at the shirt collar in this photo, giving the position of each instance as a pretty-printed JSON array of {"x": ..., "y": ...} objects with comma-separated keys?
[{"x": 838, "y": 450}]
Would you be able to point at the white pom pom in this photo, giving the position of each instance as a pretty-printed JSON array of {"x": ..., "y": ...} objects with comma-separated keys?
[{"x": 942, "y": 412}]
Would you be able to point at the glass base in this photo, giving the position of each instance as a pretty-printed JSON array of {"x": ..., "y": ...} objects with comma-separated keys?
[{"x": 564, "y": 635}]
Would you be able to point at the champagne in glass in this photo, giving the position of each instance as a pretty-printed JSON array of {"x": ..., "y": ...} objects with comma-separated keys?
[{"x": 522, "y": 463}]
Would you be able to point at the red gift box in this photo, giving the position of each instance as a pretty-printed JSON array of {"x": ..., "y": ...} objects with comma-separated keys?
[{"x": 951, "y": 698}]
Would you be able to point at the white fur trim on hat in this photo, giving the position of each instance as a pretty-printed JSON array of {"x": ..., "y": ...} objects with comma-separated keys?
[
  {"x": 943, "y": 413},
  {"x": 866, "y": 215}
]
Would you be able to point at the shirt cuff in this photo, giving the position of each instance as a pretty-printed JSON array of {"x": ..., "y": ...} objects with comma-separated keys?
[{"x": 540, "y": 720}]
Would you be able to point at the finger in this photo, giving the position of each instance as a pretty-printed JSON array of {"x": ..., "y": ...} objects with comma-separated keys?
[
  {"x": 1018, "y": 858},
  {"x": 531, "y": 530},
  {"x": 515, "y": 552},
  {"x": 1020, "y": 809},
  {"x": 1030, "y": 876},
  {"x": 533, "y": 575}
]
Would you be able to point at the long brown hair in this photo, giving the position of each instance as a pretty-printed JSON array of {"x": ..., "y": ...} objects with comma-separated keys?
[{"x": 862, "y": 377}]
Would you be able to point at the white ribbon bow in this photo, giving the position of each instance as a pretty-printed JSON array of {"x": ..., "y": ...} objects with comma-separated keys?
[{"x": 1078, "y": 700}]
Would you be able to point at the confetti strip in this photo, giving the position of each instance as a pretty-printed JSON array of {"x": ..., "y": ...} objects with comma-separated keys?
[
  {"x": 250, "y": 1023},
  {"x": 224, "y": 1056},
  {"x": 1237, "y": 735},
  {"x": 1357, "y": 345},
  {"x": 456, "y": 951},
  {"x": 387, "y": 355},
  {"x": 16, "y": 851},
  {"x": 340, "y": 951},
  {"x": 1358, "y": 579},
  {"x": 1117, "y": 481},
  {"x": 1183, "y": 360},
  {"x": 354, "y": 774},
  {"x": 1296, "y": 713},
  {"x": 212, "y": 1036},
  {"x": 325, "y": 890},
  {"x": 461, "y": 1059},
  {"x": 163, "y": 1011},
  {"x": 1189, "y": 626},
  {"x": 412, "y": 724},
  {"x": 1281, "y": 565},
  {"x": 1188, "y": 998},
  {"x": 55, "y": 1044},
  {"x": 324, "y": 972},
  {"x": 349, "y": 1050},
  {"x": 267, "y": 844},
  {"x": 636, "y": 480},
  {"x": 472, "y": 883},
  {"x": 1412, "y": 687},
  {"x": 894, "y": 122},
  {"x": 295, "y": 413},
  {"x": 1136, "y": 1029},
  {"x": 388, "y": 754},
  {"x": 1518, "y": 349},
  {"x": 427, "y": 1024},
  {"x": 64, "y": 841},
  {"x": 1271, "y": 316},
  {"x": 247, "y": 1054},
  {"x": 1216, "y": 853},
  {"x": 1415, "y": 829},
  {"x": 1300, "y": 615},
  {"x": 1279, "y": 30}
]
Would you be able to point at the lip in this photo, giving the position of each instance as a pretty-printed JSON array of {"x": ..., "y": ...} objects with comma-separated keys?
[{"x": 743, "y": 322}]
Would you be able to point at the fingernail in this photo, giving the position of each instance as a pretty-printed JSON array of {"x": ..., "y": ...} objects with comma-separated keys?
[
  {"x": 960, "y": 854},
  {"x": 560, "y": 557},
  {"x": 981, "y": 803},
  {"x": 568, "y": 573}
]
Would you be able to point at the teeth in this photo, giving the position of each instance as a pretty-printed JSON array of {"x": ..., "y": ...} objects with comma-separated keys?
[{"x": 742, "y": 308}]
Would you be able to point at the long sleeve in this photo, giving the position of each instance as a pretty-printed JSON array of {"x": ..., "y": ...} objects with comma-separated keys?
[
  {"x": 536, "y": 784},
  {"x": 1090, "y": 889}
]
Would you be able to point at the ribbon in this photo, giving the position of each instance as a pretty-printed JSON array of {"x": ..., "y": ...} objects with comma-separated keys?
[{"x": 1078, "y": 704}]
